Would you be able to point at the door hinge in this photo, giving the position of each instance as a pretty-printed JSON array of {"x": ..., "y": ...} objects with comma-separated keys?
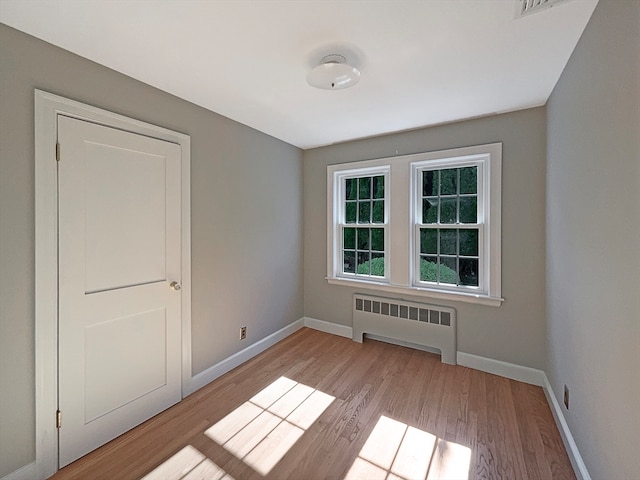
[
  {"x": 58, "y": 419},
  {"x": 57, "y": 152}
]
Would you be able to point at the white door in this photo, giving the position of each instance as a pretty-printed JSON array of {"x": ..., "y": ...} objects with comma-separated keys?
[{"x": 119, "y": 326}]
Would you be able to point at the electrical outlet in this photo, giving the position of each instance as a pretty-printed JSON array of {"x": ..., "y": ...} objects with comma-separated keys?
[
  {"x": 243, "y": 333},
  {"x": 566, "y": 397}
]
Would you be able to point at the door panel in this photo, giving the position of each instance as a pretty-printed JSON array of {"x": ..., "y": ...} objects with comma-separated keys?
[
  {"x": 119, "y": 326},
  {"x": 126, "y": 375},
  {"x": 125, "y": 241}
]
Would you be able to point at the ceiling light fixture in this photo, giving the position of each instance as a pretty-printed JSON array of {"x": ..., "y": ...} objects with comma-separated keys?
[{"x": 333, "y": 73}]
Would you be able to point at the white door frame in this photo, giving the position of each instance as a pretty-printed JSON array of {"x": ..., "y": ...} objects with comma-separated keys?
[{"x": 47, "y": 109}]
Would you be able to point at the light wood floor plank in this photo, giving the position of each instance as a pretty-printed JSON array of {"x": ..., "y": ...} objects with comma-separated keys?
[{"x": 488, "y": 426}]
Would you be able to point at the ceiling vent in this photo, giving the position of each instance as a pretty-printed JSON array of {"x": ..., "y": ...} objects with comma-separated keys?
[{"x": 527, "y": 7}]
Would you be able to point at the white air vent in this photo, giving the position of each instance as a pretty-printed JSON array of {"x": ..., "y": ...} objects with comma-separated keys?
[
  {"x": 417, "y": 323},
  {"x": 527, "y": 7}
]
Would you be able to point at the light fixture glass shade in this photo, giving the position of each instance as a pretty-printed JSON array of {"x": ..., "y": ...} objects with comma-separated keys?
[{"x": 333, "y": 76}]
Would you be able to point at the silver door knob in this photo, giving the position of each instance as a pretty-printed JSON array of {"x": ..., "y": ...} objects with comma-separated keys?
[{"x": 175, "y": 286}]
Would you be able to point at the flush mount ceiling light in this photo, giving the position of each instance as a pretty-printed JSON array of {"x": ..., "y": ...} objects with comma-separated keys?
[{"x": 333, "y": 73}]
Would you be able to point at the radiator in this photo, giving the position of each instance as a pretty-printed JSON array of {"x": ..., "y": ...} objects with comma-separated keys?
[{"x": 422, "y": 324}]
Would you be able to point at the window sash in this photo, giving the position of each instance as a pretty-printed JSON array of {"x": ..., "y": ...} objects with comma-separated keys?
[
  {"x": 418, "y": 282},
  {"x": 370, "y": 251},
  {"x": 341, "y": 224},
  {"x": 418, "y": 169}
]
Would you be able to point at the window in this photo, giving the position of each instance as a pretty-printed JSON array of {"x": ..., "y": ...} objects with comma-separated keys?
[
  {"x": 362, "y": 223},
  {"x": 425, "y": 224},
  {"x": 448, "y": 225}
]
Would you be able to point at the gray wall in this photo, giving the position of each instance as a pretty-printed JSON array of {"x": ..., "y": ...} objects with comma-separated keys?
[
  {"x": 514, "y": 332},
  {"x": 593, "y": 240},
  {"x": 246, "y": 220},
  {"x": 247, "y": 197}
]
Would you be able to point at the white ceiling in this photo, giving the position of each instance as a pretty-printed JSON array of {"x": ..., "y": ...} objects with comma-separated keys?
[{"x": 423, "y": 62}]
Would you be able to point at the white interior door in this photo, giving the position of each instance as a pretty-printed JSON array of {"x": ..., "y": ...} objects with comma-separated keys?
[{"x": 119, "y": 327}]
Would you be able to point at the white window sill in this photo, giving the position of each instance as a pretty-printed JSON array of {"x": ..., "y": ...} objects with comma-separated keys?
[{"x": 418, "y": 291}]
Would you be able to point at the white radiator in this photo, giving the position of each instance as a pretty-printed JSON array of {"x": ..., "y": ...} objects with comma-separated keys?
[{"x": 418, "y": 323}]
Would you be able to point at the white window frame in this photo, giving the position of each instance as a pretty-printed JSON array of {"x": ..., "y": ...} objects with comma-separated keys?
[
  {"x": 402, "y": 198},
  {"x": 482, "y": 209},
  {"x": 338, "y": 222}
]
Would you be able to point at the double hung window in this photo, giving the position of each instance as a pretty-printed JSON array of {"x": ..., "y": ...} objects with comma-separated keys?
[
  {"x": 426, "y": 224},
  {"x": 362, "y": 223},
  {"x": 448, "y": 225}
]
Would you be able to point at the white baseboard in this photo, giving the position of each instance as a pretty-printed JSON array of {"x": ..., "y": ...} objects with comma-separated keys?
[
  {"x": 328, "y": 327},
  {"x": 578, "y": 464},
  {"x": 539, "y": 378},
  {"x": 503, "y": 369},
  {"x": 496, "y": 367},
  {"x": 210, "y": 374},
  {"x": 28, "y": 472},
  {"x": 402, "y": 343},
  {"x": 344, "y": 331}
]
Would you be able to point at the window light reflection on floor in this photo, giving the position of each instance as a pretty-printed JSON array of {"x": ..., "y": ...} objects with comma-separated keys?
[
  {"x": 188, "y": 464},
  {"x": 262, "y": 430},
  {"x": 396, "y": 451}
]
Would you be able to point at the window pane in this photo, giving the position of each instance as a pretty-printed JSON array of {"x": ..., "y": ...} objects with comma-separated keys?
[
  {"x": 469, "y": 180},
  {"x": 378, "y": 187},
  {"x": 377, "y": 264},
  {"x": 349, "y": 262},
  {"x": 430, "y": 210},
  {"x": 364, "y": 212},
  {"x": 468, "y": 242},
  {"x": 351, "y": 188},
  {"x": 448, "y": 210},
  {"x": 448, "y": 271},
  {"x": 363, "y": 263},
  {"x": 370, "y": 264},
  {"x": 364, "y": 187},
  {"x": 428, "y": 269},
  {"x": 378, "y": 211},
  {"x": 468, "y": 209},
  {"x": 377, "y": 239},
  {"x": 363, "y": 239},
  {"x": 448, "y": 242},
  {"x": 469, "y": 271},
  {"x": 430, "y": 183},
  {"x": 349, "y": 240},
  {"x": 428, "y": 240},
  {"x": 449, "y": 181},
  {"x": 350, "y": 213}
]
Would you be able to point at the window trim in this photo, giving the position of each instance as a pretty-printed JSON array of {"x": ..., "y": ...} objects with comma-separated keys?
[{"x": 400, "y": 241}]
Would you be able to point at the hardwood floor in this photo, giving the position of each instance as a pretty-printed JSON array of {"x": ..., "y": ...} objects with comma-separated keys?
[{"x": 383, "y": 411}]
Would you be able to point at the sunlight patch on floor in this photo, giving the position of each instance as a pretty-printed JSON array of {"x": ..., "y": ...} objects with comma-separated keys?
[
  {"x": 450, "y": 461},
  {"x": 397, "y": 451},
  {"x": 262, "y": 430},
  {"x": 188, "y": 464}
]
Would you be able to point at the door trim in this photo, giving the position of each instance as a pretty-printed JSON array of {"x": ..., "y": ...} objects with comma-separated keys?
[{"x": 47, "y": 108}]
